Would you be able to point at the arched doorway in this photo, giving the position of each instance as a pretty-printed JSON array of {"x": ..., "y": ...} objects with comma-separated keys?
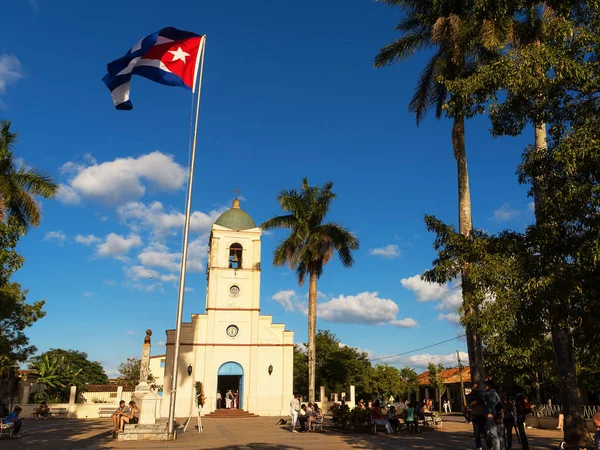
[{"x": 231, "y": 377}]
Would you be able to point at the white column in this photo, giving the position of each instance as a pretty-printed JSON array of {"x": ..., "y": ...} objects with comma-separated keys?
[
  {"x": 72, "y": 395},
  {"x": 119, "y": 394},
  {"x": 352, "y": 397},
  {"x": 322, "y": 398}
]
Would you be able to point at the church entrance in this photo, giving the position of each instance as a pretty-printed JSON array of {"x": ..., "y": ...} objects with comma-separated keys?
[{"x": 230, "y": 384}]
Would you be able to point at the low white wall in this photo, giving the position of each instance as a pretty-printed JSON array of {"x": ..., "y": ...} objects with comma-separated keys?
[{"x": 78, "y": 410}]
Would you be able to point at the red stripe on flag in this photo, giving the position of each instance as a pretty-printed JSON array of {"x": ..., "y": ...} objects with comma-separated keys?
[{"x": 173, "y": 56}]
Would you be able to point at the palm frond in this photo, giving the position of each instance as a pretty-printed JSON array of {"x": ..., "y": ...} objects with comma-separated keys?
[
  {"x": 421, "y": 100},
  {"x": 402, "y": 49},
  {"x": 36, "y": 182},
  {"x": 288, "y": 221}
]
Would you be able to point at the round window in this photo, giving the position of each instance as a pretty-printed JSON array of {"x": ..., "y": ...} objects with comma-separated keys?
[{"x": 232, "y": 331}]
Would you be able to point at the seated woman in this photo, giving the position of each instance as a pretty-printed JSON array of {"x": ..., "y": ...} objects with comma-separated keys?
[
  {"x": 14, "y": 418},
  {"x": 310, "y": 416},
  {"x": 133, "y": 416},
  {"x": 377, "y": 417},
  {"x": 318, "y": 415},
  {"x": 392, "y": 418},
  {"x": 43, "y": 410}
]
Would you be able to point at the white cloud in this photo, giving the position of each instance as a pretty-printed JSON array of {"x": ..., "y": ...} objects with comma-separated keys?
[
  {"x": 531, "y": 207},
  {"x": 130, "y": 332},
  {"x": 390, "y": 251},
  {"x": 110, "y": 282},
  {"x": 153, "y": 216},
  {"x": 118, "y": 246},
  {"x": 160, "y": 344},
  {"x": 87, "y": 240},
  {"x": 58, "y": 236},
  {"x": 407, "y": 322},
  {"x": 173, "y": 277},
  {"x": 364, "y": 308},
  {"x": 420, "y": 361},
  {"x": 158, "y": 255},
  {"x": 10, "y": 71},
  {"x": 124, "y": 179},
  {"x": 140, "y": 272},
  {"x": 448, "y": 296},
  {"x": 505, "y": 212},
  {"x": 289, "y": 300},
  {"x": 450, "y": 317},
  {"x": 88, "y": 294},
  {"x": 66, "y": 194}
]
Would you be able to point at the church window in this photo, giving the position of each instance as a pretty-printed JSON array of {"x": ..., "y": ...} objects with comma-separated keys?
[
  {"x": 234, "y": 291},
  {"x": 235, "y": 256}
]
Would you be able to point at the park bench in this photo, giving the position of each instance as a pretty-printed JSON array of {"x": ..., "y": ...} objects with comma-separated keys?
[
  {"x": 6, "y": 428},
  {"x": 58, "y": 412},
  {"x": 106, "y": 411}
]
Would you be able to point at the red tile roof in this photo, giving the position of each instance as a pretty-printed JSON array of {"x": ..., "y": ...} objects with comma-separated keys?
[{"x": 449, "y": 376}]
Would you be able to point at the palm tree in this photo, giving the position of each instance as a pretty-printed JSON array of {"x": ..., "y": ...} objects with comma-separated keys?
[
  {"x": 310, "y": 245},
  {"x": 19, "y": 185},
  {"x": 445, "y": 27}
]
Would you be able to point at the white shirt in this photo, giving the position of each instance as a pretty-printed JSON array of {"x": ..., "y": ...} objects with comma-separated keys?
[{"x": 295, "y": 404}]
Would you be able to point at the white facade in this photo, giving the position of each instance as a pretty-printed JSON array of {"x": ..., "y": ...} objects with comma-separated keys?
[
  {"x": 157, "y": 368},
  {"x": 232, "y": 346}
]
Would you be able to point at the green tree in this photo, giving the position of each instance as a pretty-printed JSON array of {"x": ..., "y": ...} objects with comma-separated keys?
[
  {"x": 15, "y": 314},
  {"x": 446, "y": 27},
  {"x": 92, "y": 372},
  {"x": 300, "y": 370},
  {"x": 129, "y": 373},
  {"x": 18, "y": 186},
  {"x": 310, "y": 245},
  {"x": 409, "y": 383},
  {"x": 386, "y": 381},
  {"x": 436, "y": 380},
  {"x": 58, "y": 376}
]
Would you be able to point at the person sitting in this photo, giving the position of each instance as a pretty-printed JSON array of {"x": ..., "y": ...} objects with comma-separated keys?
[
  {"x": 133, "y": 417},
  {"x": 43, "y": 410},
  {"x": 310, "y": 415},
  {"x": 377, "y": 417},
  {"x": 13, "y": 418},
  {"x": 302, "y": 417},
  {"x": 393, "y": 419},
  {"x": 116, "y": 417},
  {"x": 318, "y": 415}
]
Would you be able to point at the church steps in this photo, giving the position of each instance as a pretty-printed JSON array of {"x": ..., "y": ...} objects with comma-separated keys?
[{"x": 229, "y": 414}]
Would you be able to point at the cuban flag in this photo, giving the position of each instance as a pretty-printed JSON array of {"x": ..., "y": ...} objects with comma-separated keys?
[{"x": 169, "y": 56}]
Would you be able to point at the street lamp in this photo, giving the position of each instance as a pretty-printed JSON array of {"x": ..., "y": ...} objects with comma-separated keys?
[
  {"x": 190, "y": 370},
  {"x": 270, "y": 369}
]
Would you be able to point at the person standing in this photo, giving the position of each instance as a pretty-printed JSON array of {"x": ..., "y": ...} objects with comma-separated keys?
[
  {"x": 522, "y": 408},
  {"x": 294, "y": 408},
  {"x": 596, "y": 420},
  {"x": 219, "y": 399},
  {"x": 228, "y": 399},
  {"x": 508, "y": 408},
  {"x": 477, "y": 415},
  {"x": 494, "y": 418}
]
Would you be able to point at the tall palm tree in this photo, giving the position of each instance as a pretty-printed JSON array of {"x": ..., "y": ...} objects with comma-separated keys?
[
  {"x": 446, "y": 28},
  {"x": 18, "y": 186},
  {"x": 310, "y": 245}
]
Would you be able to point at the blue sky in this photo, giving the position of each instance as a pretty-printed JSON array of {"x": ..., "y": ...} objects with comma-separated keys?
[{"x": 289, "y": 92}]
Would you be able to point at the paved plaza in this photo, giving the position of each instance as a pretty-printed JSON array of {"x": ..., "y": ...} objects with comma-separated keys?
[{"x": 252, "y": 433}]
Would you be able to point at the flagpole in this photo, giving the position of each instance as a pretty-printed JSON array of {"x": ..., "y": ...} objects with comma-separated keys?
[{"x": 186, "y": 232}]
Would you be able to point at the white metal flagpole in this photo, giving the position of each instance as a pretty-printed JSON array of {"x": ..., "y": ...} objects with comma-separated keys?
[{"x": 186, "y": 232}]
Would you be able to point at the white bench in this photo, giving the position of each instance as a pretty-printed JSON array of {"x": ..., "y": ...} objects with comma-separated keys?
[
  {"x": 6, "y": 428},
  {"x": 106, "y": 412},
  {"x": 58, "y": 412}
]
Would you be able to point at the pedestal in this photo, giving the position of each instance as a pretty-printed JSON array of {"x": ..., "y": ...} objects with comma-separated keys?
[{"x": 146, "y": 401}]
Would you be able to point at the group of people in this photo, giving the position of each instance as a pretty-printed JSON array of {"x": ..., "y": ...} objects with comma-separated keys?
[
  {"x": 231, "y": 399},
  {"x": 495, "y": 417},
  {"x": 123, "y": 415},
  {"x": 410, "y": 413},
  {"x": 308, "y": 415}
]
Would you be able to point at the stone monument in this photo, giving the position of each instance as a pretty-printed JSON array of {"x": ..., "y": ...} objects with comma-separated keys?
[{"x": 145, "y": 400}]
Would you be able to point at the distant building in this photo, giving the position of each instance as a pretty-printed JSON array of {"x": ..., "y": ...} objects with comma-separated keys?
[{"x": 451, "y": 379}]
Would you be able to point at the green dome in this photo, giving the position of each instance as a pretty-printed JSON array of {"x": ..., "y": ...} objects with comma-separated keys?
[{"x": 236, "y": 218}]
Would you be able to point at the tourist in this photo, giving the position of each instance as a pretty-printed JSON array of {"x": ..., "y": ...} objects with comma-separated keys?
[
  {"x": 494, "y": 419},
  {"x": 596, "y": 420},
  {"x": 412, "y": 422},
  {"x": 310, "y": 414},
  {"x": 392, "y": 418},
  {"x": 477, "y": 414},
  {"x": 294, "y": 408},
  {"x": 228, "y": 399},
  {"x": 508, "y": 407},
  {"x": 116, "y": 417},
  {"x": 236, "y": 397},
  {"x": 302, "y": 418},
  {"x": 377, "y": 417},
  {"x": 522, "y": 408},
  {"x": 14, "y": 418},
  {"x": 361, "y": 404},
  {"x": 43, "y": 410},
  {"x": 219, "y": 400},
  {"x": 446, "y": 406},
  {"x": 317, "y": 416},
  {"x": 133, "y": 417}
]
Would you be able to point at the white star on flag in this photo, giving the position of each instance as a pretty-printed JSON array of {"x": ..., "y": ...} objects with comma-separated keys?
[{"x": 179, "y": 54}]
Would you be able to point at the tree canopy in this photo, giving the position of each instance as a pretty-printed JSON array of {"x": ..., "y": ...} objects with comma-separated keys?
[{"x": 92, "y": 372}]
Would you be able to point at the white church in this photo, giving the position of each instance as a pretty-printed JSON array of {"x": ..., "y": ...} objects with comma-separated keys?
[{"x": 232, "y": 346}]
